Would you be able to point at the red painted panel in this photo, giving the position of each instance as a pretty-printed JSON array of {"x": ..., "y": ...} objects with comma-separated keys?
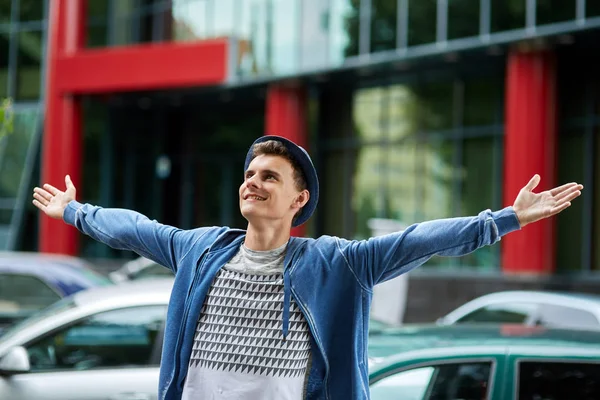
[
  {"x": 143, "y": 67},
  {"x": 61, "y": 143},
  {"x": 286, "y": 116},
  {"x": 530, "y": 142}
]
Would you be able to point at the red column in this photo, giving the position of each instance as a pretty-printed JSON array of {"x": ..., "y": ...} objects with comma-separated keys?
[
  {"x": 530, "y": 142},
  {"x": 286, "y": 116},
  {"x": 62, "y": 139}
]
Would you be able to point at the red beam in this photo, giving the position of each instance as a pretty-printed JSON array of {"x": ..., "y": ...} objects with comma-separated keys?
[
  {"x": 530, "y": 142},
  {"x": 286, "y": 116},
  {"x": 61, "y": 143},
  {"x": 143, "y": 67}
]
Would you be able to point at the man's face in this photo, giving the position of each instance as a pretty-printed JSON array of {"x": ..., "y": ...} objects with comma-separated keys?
[{"x": 268, "y": 192}]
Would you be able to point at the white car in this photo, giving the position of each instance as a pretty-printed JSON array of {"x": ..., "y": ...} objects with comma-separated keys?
[
  {"x": 562, "y": 310},
  {"x": 103, "y": 343},
  {"x": 139, "y": 268}
]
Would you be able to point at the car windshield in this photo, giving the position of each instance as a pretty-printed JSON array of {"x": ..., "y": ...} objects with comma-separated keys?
[{"x": 53, "y": 309}]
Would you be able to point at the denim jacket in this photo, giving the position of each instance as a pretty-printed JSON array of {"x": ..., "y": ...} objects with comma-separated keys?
[{"x": 330, "y": 278}]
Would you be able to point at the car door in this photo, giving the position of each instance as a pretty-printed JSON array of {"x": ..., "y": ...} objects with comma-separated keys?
[
  {"x": 474, "y": 378},
  {"x": 111, "y": 355}
]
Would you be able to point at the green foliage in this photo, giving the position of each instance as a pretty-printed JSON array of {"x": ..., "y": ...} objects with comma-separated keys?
[{"x": 6, "y": 118}]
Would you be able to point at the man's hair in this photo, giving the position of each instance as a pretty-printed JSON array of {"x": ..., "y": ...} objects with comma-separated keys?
[{"x": 276, "y": 148}]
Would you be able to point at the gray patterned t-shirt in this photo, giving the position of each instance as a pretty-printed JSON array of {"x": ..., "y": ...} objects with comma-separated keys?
[{"x": 239, "y": 351}]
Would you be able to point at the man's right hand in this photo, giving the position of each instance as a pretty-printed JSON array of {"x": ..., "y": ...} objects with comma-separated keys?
[{"x": 53, "y": 201}]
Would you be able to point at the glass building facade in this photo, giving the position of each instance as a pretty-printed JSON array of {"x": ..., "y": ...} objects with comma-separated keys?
[{"x": 406, "y": 111}]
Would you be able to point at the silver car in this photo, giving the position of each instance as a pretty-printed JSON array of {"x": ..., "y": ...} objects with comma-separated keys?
[
  {"x": 103, "y": 343},
  {"x": 529, "y": 307}
]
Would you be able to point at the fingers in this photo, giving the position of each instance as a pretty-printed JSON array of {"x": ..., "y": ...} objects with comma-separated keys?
[
  {"x": 51, "y": 189},
  {"x": 533, "y": 182},
  {"x": 39, "y": 205},
  {"x": 566, "y": 186},
  {"x": 557, "y": 209},
  {"x": 41, "y": 192},
  {"x": 569, "y": 194},
  {"x": 41, "y": 199},
  {"x": 69, "y": 182}
]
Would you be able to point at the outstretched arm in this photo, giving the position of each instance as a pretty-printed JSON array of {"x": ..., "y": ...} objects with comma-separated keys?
[
  {"x": 118, "y": 228},
  {"x": 384, "y": 257}
]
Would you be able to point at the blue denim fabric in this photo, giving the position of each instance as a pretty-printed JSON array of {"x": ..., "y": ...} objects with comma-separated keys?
[{"x": 330, "y": 278}]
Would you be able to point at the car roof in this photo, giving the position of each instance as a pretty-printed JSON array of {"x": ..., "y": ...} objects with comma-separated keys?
[
  {"x": 390, "y": 341},
  {"x": 145, "y": 290},
  {"x": 537, "y": 295},
  {"x": 67, "y": 274}
]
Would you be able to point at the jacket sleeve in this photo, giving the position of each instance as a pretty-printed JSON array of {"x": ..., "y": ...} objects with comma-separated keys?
[
  {"x": 128, "y": 230},
  {"x": 384, "y": 257}
]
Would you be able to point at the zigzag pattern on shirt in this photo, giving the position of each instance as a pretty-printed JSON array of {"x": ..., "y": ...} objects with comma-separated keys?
[{"x": 240, "y": 328}]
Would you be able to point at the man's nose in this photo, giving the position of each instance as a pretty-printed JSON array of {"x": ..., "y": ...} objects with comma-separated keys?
[{"x": 253, "y": 181}]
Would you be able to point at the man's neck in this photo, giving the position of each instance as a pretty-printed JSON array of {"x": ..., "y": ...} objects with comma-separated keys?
[{"x": 266, "y": 238}]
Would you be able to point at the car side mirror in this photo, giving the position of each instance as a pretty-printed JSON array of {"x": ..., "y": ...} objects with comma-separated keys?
[{"x": 16, "y": 361}]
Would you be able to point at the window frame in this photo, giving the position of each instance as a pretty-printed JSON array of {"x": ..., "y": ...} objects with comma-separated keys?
[{"x": 446, "y": 361}]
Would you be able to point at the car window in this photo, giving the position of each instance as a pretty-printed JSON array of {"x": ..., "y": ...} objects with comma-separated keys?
[
  {"x": 117, "y": 338},
  {"x": 517, "y": 313},
  {"x": 21, "y": 295},
  {"x": 566, "y": 317},
  {"x": 558, "y": 380},
  {"x": 465, "y": 381}
]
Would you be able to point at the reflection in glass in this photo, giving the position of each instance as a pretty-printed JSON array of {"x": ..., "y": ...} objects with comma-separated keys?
[
  {"x": 29, "y": 61},
  {"x": 4, "y": 51},
  {"x": 437, "y": 172},
  {"x": 333, "y": 201},
  {"x": 481, "y": 161},
  {"x": 483, "y": 101},
  {"x": 569, "y": 225},
  {"x": 422, "y": 25},
  {"x": 592, "y": 8},
  {"x": 31, "y": 10},
  {"x": 550, "y": 11},
  {"x": 283, "y": 36},
  {"x": 412, "y": 384},
  {"x": 596, "y": 206},
  {"x": 384, "y": 17},
  {"x": 13, "y": 151},
  {"x": 436, "y": 105},
  {"x": 97, "y": 18},
  {"x": 314, "y": 33},
  {"x": 463, "y": 18},
  {"x": 345, "y": 25},
  {"x": 507, "y": 15},
  {"x": 370, "y": 113},
  {"x": 5, "y": 11}
]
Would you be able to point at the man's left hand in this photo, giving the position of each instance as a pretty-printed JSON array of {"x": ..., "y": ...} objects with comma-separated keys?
[{"x": 531, "y": 207}]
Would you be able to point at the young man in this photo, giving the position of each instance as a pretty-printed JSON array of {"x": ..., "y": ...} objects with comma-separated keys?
[{"x": 257, "y": 314}]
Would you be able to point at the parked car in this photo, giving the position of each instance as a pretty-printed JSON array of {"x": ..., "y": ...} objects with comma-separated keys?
[
  {"x": 567, "y": 310},
  {"x": 139, "y": 268},
  {"x": 103, "y": 343},
  {"x": 110, "y": 334},
  {"x": 32, "y": 281},
  {"x": 484, "y": 362}
]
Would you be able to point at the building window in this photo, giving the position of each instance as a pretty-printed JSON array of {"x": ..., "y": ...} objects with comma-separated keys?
[
  {"x": 416, "y": 154},
  {"x": 578, "y": 229}
]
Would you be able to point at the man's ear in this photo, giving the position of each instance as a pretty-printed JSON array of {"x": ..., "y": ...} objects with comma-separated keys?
[{"x": 301, "y": 199}]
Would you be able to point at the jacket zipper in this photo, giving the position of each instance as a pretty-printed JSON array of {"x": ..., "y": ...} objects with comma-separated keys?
[
  {"x": 186, "y": 311},
  {"x": 311, "y": 324}
]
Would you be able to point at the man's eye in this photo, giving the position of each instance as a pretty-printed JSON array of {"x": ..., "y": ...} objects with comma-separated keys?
[{"x": 270, "y": 176}]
